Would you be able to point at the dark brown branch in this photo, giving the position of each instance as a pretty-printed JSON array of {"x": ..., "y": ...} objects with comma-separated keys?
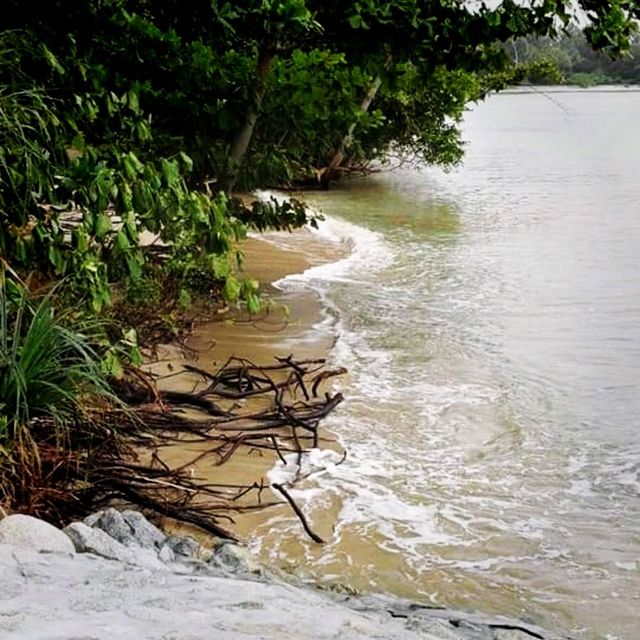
[
  {"x": 70, "y": 482},
  {"x": 298, "y": 512}
]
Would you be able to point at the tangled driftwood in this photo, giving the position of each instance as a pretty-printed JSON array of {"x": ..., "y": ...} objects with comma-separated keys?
[{"x": 221, "y": 418}]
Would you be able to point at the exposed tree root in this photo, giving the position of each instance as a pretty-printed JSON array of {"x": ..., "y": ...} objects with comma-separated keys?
[{"x": 282, "y": 413}]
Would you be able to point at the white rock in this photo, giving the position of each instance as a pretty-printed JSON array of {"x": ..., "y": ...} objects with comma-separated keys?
[
  {"x": 167, "y": 555},
  {"x": 89, "y": 540},
  {"x": 183, "y": 546},
  {"x": 54, "y": 597},
  {"x": 236, "y": 558},
  {"x": 25, "y": 531},
  {"x": 96, "y": 541},
  {"x": 505, "y": 634},
  {"x": 145, "y": 534},
  {"x": 93, "y": 518},
  {"x": 113, "y": 523}
]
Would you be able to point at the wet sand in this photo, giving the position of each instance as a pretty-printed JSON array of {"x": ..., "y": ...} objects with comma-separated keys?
[
  {"x": 272, "y": 334},
  {"x": 301, "y": 332}
]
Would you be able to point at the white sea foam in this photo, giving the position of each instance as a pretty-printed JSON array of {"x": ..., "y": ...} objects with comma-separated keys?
[
  {"x": 368, "y": 253},
  {"x": 312, "y": 463},
  {"x": 628, "y": 475},
  {"x": 490, "y": 409},
  {"x": 445, "y": 494}
]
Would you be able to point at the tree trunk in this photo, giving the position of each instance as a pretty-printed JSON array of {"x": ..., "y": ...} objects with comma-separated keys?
[
  {"x": 242, "y": 139},
  {"x": 328, "y": 173}
]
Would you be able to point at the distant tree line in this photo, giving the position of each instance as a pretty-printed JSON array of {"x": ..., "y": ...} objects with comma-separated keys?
[{"x": 570, "y": 59}]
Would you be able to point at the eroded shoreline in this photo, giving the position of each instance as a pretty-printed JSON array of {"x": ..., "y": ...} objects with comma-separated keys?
[{"x": 171, "y": 597}]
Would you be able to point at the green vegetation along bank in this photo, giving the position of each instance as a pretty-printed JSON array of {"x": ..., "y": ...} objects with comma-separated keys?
[{"x": 127, "y": 125}]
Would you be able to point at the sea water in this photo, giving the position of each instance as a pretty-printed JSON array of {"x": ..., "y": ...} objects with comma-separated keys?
[{"x": 490, "y": 321}]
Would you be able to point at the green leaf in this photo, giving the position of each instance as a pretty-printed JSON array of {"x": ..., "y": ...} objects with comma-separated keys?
[
  {"x": 512, "y": 24},
  {"x": 102, "y": 226},
  {"x": 134, "y": 266},
  {"x": 187, "y": 161},
  {"x": 253, "y": 303},
  {"x": 80, "y": 240},
  {"x": 231, "y": 289},
  {"x": 184, "y": 299},
  {"x": 21, "y": 250},
  {"x": 143, "y": 131},
  {"x": 135, "y": 356},
  {"x": 56, "y": 258},
  {"x": 170, "y": 172},
  {"x": 52, "y": 60},
  {"x": 129, "y": 167},
  {"x": 493, "y": 18},
  {"x": 122, "y": 242},
  {"x": 132, "y": 166},
  {"x": 133, "y": 101},
  {"x": 220, "y": 266},
  {"x": 111, "y": 365},
  {"x": 130, "y": 338}
]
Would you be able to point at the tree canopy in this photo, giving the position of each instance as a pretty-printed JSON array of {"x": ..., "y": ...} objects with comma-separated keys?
[{"x": 125, "y": 117}]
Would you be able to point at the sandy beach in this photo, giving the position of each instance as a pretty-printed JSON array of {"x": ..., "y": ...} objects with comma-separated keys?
[{"x": 302, "y": 331}]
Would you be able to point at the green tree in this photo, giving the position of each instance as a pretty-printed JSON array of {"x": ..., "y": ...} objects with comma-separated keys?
[{"x": 121, "y": 111}]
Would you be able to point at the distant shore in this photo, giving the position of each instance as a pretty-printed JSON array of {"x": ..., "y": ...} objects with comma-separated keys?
[{"x": 569, "y": 88}]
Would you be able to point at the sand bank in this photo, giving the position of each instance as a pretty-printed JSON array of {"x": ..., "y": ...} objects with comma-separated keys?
[{"x": 302, "y": 331}]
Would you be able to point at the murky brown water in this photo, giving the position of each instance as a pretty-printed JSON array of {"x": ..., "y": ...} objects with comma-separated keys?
[{"x": 490, "y": 319}]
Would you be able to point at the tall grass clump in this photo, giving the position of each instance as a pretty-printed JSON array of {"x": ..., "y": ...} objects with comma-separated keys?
[{"x": 52, "y": 392}]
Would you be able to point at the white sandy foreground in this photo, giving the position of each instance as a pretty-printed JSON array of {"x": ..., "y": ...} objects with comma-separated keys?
[
  {"x": 157, "y": 589},
  {"x": 84, "y": 596}
]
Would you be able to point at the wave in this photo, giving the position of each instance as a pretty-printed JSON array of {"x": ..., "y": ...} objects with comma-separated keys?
[{"x": 368, "y": 252}]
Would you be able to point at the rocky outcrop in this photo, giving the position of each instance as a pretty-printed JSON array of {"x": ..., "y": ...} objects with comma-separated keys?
[
  {"x": 236, "y": 559},
  {"x": 130, "y": 580},
  {"x": 129, "y": 537},
  {"x": 93, "y": 540},
  {"x": 130, "y": 528},
  {"x": 145, "y": 534},
  {"x": 91, "y": 597},
  {"x": 182, "y": 547}
]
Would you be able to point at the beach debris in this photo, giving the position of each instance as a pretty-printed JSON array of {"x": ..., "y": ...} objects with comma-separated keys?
[
  {"x": 240, "y": 407},
  {"x": 298, "y": 512}
]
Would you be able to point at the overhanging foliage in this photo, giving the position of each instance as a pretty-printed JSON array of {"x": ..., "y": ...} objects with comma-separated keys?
[{"x": 123, "y": 119}]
